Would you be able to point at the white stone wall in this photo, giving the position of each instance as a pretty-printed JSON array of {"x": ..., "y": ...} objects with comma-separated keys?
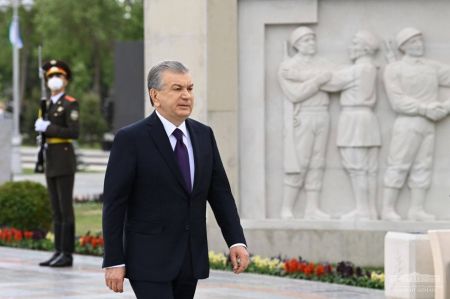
[
  {"x": 264, "y": 26},
  {"x": 234, "y": 49},
  {"x": 203, "y": 35}
]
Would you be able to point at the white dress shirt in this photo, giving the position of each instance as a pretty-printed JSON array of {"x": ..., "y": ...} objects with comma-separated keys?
[
  {"x": 56, "y": 97},
  {"x": 169, "y": 128}
]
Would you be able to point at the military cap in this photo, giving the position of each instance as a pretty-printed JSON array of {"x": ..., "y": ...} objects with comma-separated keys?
[
  {"x": 299, "y": 33},
  {"x": 405, "y": 34},
  {"x": 57, "y": 67}
]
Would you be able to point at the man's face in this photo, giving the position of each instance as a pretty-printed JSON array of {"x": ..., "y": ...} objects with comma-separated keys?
[
  {"x": 175, "y": 100},
  {"x": 357, "y": 48},
  {"x": 306, "y": 45},
  {"x": 414, "y": 46}
]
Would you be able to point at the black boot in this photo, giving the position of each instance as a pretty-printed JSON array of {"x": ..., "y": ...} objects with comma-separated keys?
[
  {"x": 47, "y": 262},
  {"x": 63, "y": 260}
]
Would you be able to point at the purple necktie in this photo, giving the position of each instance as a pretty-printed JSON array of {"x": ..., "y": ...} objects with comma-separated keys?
[{"x": 183, "y": 158}]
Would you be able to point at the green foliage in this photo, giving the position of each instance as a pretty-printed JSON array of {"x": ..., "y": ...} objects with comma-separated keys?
[
  {"x": 25, "y": 205},
  {"x": 343, "y": 273},
  {"x": 83, "y": 34},
  {"x": 218, "y": 261},
  {"x": 88, "y": 217},
  {"x": 362, "y": 281},
  {"x": 92, "y": 124},
  {"x": 43, "y": 244},
  {"x": 29, "y": 114}
]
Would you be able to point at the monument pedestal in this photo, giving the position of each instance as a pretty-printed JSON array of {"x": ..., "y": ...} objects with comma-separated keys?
[
  {"x": 409, "y": 272},
  {"x": 361, "y": 242},
  {"x": 440, "y": 242}
]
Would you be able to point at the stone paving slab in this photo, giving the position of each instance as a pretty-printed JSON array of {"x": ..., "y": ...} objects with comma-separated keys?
[{"x": 22, "y": 278}]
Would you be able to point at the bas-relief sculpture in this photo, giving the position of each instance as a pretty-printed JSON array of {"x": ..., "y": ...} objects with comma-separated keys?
[
  {"x": 358, "y": 132},
  {"x": 412, "y": 86},
  {"x": 301, "y": 77}
]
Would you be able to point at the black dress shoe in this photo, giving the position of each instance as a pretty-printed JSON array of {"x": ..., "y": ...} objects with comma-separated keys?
[
  {"x": 63, "y": 260},
  {"x": 47, "y": 262}
]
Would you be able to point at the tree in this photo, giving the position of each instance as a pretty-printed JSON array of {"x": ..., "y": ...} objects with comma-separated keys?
[
  {"x": 82, "y": 33},
  {"x": 92, "y": 124}
]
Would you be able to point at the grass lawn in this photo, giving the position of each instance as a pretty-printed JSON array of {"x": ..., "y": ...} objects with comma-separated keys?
[{"x": 88, "y": 217}]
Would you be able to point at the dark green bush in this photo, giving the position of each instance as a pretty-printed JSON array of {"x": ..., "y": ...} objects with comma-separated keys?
[{"x": 25, "y": 205}]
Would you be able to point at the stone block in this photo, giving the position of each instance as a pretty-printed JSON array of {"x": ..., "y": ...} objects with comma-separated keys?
[
  {"x": 408, "y": 266},
  {"x": 440, "y": 243}
]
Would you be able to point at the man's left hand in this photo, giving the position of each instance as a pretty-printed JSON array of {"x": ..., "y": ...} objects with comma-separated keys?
[{"x": 239, "y": 259}]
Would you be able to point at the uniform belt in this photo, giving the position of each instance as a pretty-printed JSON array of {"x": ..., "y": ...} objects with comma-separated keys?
[{"x": 58, "y": 140}]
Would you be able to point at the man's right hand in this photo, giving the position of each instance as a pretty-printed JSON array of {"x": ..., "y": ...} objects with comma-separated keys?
[
  {"x": 41, "y": 125},
  {"x": 114, "y": 278}
]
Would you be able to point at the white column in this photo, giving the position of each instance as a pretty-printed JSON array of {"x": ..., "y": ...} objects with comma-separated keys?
[{"x": 177, "y": 30}]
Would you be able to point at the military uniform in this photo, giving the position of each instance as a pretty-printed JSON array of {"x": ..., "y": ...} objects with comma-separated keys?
[
  {"x": 60, "y": 167},
  {"x": 62, "y": 127}
]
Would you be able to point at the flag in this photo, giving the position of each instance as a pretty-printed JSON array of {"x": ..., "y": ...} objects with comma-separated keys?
[{"x": 14, "y": 33}]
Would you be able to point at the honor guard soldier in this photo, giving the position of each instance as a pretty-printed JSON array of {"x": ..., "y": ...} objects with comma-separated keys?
[{"x": 60, "y": 126}]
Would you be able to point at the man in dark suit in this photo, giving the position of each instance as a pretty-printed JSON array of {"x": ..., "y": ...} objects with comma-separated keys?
[
  {"x": 161, "y": 172},
  {"x": 60, "y": 127}
]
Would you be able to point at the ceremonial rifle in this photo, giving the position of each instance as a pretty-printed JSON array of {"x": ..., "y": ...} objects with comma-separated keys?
[{"x": 39, "y": 168}]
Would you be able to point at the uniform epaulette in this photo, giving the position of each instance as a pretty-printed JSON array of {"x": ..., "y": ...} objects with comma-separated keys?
[{"x": 70, "y": 99}]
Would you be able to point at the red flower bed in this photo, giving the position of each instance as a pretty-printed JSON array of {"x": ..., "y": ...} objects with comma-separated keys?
[
  {"x": 294, "y": 266},
  {"x": 89, "y": 244},
  {"x": 94, "y": 241},
  {"x": 10, "y": 234}
]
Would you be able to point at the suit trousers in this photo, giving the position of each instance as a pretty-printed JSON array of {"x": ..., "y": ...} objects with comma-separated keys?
[
  {"x": 60, "y": 189},
  {"x": 183, "y": 287}
]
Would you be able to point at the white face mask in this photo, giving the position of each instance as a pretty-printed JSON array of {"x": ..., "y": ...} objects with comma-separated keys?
[{"x": 55, "y": 83}]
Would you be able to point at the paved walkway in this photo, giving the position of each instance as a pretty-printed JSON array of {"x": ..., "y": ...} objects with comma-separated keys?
[{"x": 22, "y": 278}]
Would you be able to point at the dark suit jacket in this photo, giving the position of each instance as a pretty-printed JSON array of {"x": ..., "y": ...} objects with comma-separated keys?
[{"x": 148, "y": 215}]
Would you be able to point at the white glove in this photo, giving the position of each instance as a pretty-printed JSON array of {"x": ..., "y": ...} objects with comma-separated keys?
[{"x": 41, "y": 125}]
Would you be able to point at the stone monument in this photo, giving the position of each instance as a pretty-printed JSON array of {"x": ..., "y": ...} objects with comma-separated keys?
[
  {"x": 259, "y": 80},
  {"x": 358, "y": 133},
  {"x": 301, "y": 77},
  {"x": 412, "y": 86}
]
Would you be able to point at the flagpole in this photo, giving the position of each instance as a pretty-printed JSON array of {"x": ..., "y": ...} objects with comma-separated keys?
[
  {"x": 16, "y": 141},
  {"x": 16, "y": 41}
]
